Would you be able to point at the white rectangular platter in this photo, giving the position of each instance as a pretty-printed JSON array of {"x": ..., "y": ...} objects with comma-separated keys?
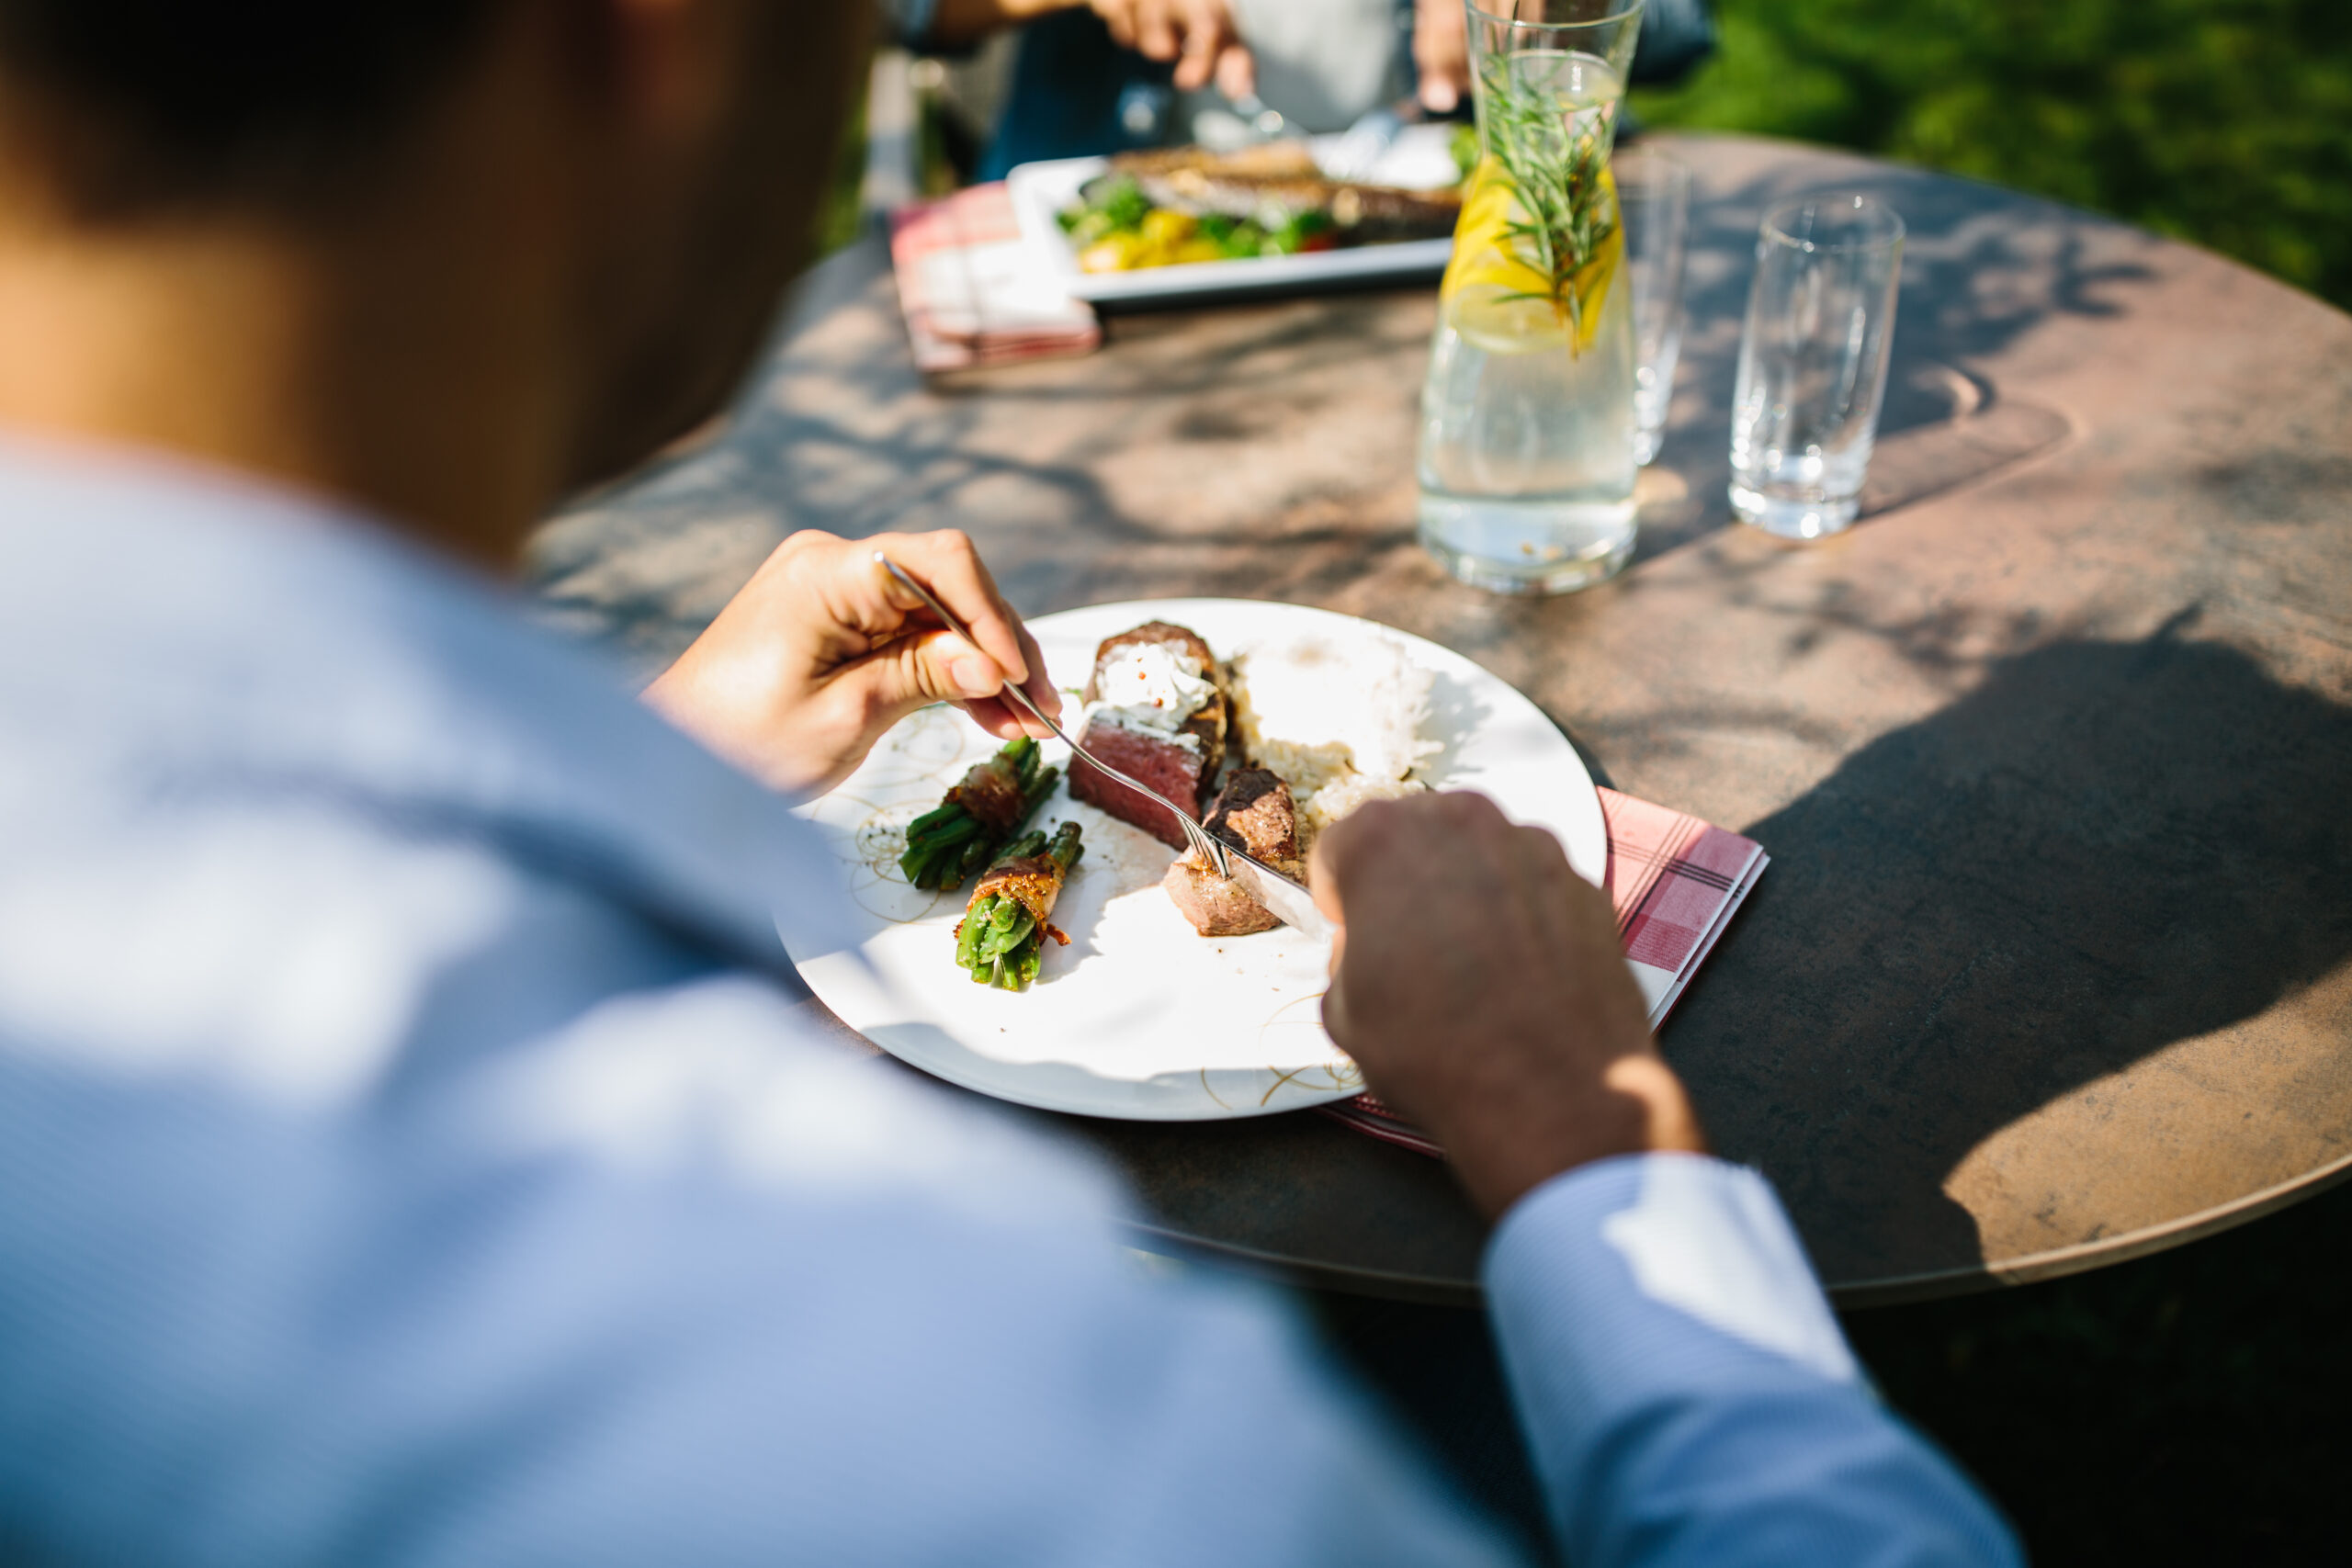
[{"x": 1419, "y": 159}]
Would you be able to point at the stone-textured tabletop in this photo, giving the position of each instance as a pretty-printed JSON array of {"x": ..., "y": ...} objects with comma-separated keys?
[{"x": 2051, "y": 752}]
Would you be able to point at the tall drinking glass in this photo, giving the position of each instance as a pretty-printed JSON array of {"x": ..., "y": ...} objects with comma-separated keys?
[
  {"x": 1526, "y": 461},
  {"x": 1654, "y": 195},
  {"x": 1813, "y": 362}
]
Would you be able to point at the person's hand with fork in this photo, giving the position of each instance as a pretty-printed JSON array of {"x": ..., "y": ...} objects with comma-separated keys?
[{"x": 820, "y": 653}]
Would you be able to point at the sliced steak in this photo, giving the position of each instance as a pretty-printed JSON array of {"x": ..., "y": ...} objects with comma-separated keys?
[
  {"x": 1253, "y": 812},
  {"x": 1210, "y": 722},
  {"x": 1174, "y": 769},
  {"x": 1182, "y": 767}
]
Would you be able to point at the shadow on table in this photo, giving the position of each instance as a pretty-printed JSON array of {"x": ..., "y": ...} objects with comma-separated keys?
[
  {"x": 2104, "y": 849},
  {"x": 839, "y": 431},
  {"x": 1975, "y": 279}
]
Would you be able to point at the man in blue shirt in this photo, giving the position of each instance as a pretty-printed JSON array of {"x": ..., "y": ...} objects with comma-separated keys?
[{"x": 409, "y": 1150}]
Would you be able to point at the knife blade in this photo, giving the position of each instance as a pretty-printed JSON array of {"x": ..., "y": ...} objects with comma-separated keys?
[{"x": 1285, "y": 898}]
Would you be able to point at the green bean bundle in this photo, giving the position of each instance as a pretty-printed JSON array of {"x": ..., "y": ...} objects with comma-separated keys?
[
  {"x": 1001, "y": 938},
  {"x": 946, "y": 844}
]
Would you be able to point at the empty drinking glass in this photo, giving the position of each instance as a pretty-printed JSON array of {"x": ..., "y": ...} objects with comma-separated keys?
[
  {"x": 1813, "y": 362},
  {"x": 1654, "y": 196}
]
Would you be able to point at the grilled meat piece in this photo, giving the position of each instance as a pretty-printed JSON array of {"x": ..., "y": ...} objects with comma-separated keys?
[
  {"x": 1165, "y": 763},
  {"x": 1179, "y": 768},
  {"x": 1253, "y": 812}
]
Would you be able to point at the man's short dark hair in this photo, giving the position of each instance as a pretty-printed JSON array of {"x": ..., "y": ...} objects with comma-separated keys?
[{"x": 140, "y": 104}]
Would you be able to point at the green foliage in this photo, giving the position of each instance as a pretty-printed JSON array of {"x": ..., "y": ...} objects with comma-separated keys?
[
  {"x": 842, "y": 216},
  {"x": 2224, "y": 122}
]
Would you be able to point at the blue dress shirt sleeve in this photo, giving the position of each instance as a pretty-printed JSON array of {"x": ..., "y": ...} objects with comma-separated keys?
[{"x": 1687, "y": 1393}]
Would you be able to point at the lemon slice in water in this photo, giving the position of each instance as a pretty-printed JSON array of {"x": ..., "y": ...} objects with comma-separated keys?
[{"x": 1500, "y": 302}]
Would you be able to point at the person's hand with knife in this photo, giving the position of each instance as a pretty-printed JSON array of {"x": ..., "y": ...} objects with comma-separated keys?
[{"x": 1477, "y": 981}]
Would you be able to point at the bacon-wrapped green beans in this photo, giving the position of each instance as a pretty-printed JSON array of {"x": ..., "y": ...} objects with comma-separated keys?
[
  {"x": 948, "y": 843},
  {"x": 1001, "y": 938}
]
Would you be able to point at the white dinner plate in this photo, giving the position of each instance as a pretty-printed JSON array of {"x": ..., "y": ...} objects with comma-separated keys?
[
  {"x": 1419, "y": 159},
  {"x": 1140, "y": 1017}
]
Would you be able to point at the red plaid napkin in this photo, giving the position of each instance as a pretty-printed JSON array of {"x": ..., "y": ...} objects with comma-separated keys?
[
  {"x": 972, "y": 292},
  {"x": 1676, "y": 882}
]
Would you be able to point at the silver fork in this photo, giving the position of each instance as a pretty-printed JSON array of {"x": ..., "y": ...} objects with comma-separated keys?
[{"x": 1284, "y": 897}]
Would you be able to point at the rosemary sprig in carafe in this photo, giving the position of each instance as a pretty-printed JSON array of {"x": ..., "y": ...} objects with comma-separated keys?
[{"x": 1554, "y": 151}]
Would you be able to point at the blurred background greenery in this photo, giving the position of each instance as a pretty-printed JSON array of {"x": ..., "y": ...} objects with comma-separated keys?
[{"x": 2224, "y": 122}]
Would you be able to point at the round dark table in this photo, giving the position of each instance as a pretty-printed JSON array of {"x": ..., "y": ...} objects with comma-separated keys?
[{"x": 2051, "y": 752}]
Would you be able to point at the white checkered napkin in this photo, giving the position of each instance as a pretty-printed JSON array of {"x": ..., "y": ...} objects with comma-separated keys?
[{"x": 972, "y": 293}]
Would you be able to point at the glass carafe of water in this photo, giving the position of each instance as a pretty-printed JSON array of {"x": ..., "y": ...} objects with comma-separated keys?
[{"x": 1528, "y": 433}]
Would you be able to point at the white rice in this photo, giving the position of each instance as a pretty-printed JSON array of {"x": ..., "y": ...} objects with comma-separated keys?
[{"x": 1339, "y": 722}]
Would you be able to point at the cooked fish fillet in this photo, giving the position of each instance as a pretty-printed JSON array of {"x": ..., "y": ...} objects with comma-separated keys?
[{"x": 1258, "y": 181}]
